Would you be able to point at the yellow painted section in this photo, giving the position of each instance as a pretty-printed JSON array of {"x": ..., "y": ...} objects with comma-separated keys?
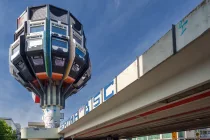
[
  {"x": 174, "y": 135},
  {"x": 71, "y": 54}
]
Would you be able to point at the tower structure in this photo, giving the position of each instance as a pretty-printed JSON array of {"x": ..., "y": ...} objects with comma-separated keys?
[{"x": 49, "y": 58}]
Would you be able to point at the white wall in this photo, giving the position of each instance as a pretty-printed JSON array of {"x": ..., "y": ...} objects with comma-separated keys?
[
  {"x": 193, "y": 25},
  {"x": 159, "y": 52},
  {"x": 40, "y": 133},
  {"x": 129, "y": 75}
]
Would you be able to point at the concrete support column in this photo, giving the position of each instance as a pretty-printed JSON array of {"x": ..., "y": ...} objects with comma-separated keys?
[
  {"x": 51, "y": 116},
  {"x": 161, "y": 136},
  {"x": 51, "y": 108}
]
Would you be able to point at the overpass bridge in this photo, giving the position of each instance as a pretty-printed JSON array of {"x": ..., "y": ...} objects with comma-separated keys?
[{"x": 165, "y": 89}]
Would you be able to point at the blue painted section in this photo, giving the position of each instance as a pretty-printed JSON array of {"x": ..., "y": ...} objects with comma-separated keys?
[
  {"x": 182, "y": 26},
  {"x": 97, "y": 100},
  {"x": 72, "y": 119},
  {"x": 60, "y": 43},
  {"x": 58, "y": 30},
  {"x": 76, "y": 116},
  {"x": 80, "y": 53},
  {"x": 87, "y": 108},
  {"x": 106, "y": 94},
  {"x": 36, "y": 29},
  {"x": 45, "y": 52},
  {"x": 48, "y": 50}
]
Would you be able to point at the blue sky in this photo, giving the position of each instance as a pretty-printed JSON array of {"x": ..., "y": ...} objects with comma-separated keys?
[{"x": 117, "y": 31}]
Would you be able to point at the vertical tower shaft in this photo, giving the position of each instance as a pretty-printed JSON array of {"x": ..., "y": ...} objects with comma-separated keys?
[
  {"x": 51, "y": 108},
  {"x": 51, "y": 116}
]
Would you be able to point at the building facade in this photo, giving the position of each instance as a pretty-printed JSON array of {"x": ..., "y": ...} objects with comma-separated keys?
[
  {"x": 14, "y": 126},
  {"x": 202, "y": 134}
]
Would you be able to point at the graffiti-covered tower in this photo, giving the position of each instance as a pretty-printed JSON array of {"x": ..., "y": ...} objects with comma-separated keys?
[{"x": 49, "y": 58}]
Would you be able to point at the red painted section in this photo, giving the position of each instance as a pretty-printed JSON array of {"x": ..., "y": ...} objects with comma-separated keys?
[
  {"x": 173, "y": 116},
  {"x": 184, "y": 101},
  {"x": 37, "y": 99},
  {"x": 172, "y": 105},
  {"x": 152, "y": 121}
]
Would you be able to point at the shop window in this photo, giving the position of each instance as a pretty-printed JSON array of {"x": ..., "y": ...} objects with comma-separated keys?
[
  {"x": 181, "y": 134},
  {"x": 154, "y": 137},
  {"x": 142, "y": 138},
  {"x": 167, "y": 136}
]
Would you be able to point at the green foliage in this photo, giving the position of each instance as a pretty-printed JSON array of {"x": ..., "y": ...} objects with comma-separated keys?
[{"x": 6, "y": 132}]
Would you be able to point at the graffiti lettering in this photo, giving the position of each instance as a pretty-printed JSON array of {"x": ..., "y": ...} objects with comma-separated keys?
[{"x": 182, "y": 26}]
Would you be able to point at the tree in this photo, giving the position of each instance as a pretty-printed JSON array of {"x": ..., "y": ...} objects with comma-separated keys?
[{"x": 6, "y": 132}]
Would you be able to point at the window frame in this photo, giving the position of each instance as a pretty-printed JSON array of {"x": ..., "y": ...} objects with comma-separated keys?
[
  {"x": 59, "y": 25},
  {"x": 13, "y": 46},
  {"x": 33, "y": 37},
  {"x": 59, "y": 59},
  {"x": 36, "y": 24},
  {"x": 77, "y": 44},
  {"x": 59, "y": 39},
  {"x": 40, "y": 58},
  {"x": 39, "y": 26}
]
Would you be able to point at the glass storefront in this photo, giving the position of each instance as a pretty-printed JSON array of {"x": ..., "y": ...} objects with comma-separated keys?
[
  {"x": 181, "y": 134},
  {"x": 154, "y": 137},
  {"x": 167, "y": 136},
  {"x": 191, "y": 134},
  {"x": 142, "y": 138}
]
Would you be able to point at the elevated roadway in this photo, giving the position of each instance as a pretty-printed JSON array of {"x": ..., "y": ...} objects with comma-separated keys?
[{"x": 165, "y": 89}]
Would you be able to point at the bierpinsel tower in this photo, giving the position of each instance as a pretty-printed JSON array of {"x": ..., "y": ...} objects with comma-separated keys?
[{"x": 49, "y": 58}]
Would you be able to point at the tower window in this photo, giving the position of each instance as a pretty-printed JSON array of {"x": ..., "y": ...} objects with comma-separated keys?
[
  {"x": 59, "y": 43},
  {"x": 37, "y": 60},
  {"x": 59, "y": 30},
  {"x": 34, "y": 29}
]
